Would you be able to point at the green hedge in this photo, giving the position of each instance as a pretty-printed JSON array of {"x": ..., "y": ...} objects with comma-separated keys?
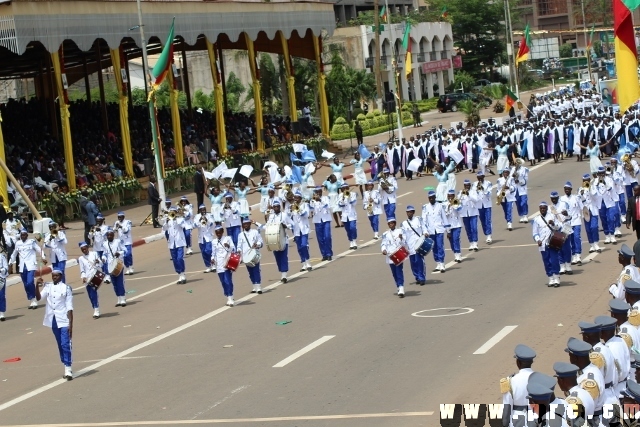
[{"x": 369, "y": 132}]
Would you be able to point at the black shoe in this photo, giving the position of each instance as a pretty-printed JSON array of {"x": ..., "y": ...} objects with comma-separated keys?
[
  {"x": 259, "y": 292},
  {"x": 325, "y": 258},
  {"x": 557, "y": 285},
  {"x": 329, "y": 258},
  {"x": 253, "y": 292},
  {"x": 284, "y": 280},
  {"x": 475, "y": 249},
  {"x": 309, "y": 268},
  {"x": 302, "y": 270}
]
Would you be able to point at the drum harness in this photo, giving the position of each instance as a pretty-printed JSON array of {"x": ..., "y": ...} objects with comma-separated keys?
[
  {"x": 410, "y": 226},
  {"x": 550, "y": 228}
]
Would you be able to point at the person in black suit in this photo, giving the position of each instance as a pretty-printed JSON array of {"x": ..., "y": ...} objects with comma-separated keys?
[
  {"x": 198, "y": 184},
  {"x": 154, "y": 200},
  {"x": 633, "y": 218}
]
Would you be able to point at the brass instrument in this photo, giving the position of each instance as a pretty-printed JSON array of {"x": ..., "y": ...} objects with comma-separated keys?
[
  {"x": 626, "y": 161},
  {"x": 172, "y": 215},
  {"x": 455, "y": 203},
  {"x": 608, "y": 169},
  {"x": 479, "y": 187},
  {"x": 288, "y": 193},
  {"x": 465, "y": 192},
  {"x": 370, "y": 206},
  {"x": 501, "y": 196},
  {"x": 203, "y": 219},
  {"x": 295, "y": 207},
  {"x": 347, "y": 194},
  {"x": 384, "y": 184},
  {"x": 586, "y": 185}
]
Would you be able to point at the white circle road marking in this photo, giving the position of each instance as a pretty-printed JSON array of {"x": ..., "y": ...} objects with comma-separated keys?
[{"x": 417, "y": 313}]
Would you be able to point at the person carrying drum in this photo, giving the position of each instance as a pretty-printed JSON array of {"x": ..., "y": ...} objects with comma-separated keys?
[
  {"x": 543, "y": 227},
  {"x": 205, "y": 225},
  {"x": 173, "y": 227},
  {"x": 56, "y": 243},
  {"x": 231, "y": 215},
  {"x": 393, "y": 242},
  {"x": 277, "y": 217},
  {"x": 249, "y": 244},
  {"x": 112, "y": 253},
  {"x": 90, "y": 268},
  {"x": 559, "y": 209},
  {"x": 98, "y": 235},
  {"x": 413, "y": 229},
  {"x": 123, "y": 226},
  {"x": 222, "y": 247}
]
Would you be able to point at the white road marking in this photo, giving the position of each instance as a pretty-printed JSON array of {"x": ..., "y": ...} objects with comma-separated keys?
[
  {"x": 495, "y": 339},
  {"x": 449, "y": 265},
  {"x": 240, "y": 420},
  {"x": 221, "y": 401},
  {"x": 299, "y": 353},
  {"x": 168, "y": 334},
  {"x": 417, "y": 313}
]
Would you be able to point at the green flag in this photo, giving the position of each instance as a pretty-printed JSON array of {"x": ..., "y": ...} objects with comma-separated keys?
[
  {"x": 405, "y": 37},
  {"x": 161, "y": 68}
]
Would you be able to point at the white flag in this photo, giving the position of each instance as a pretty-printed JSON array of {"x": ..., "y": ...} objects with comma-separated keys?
[
  {"x": 217, "y": 172},
  {"x": 299, "y": 148},
  {"x": 229, "y": 173},
  {"x": 273, "y": 170},
  {"x": 246, "y": 170},
  {"x": 327, "y": 155},
  {"x": 455, "y": 155},
  {"x": 414, "y": 165}
]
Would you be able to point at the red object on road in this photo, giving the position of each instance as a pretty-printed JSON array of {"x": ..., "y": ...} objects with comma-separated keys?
[{"x": 15, "y": 359}]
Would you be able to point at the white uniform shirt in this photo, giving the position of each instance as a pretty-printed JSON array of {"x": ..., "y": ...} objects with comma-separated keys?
[
  {"x": 630, "y": 178},
  {"x": 523, "y": 179},
  {"x": 391, "y": 241},
  {"x": 248, "y": 239},
  {"x": 574, "y": 208},
  {"x": 598, "y": 378},
  {"x": 59, "y": 301},
  {"x": 56, "y": 246},
  {"x": 509, "y": 187},
  {"x": 454, "y": 217},
  {"x": 608, "y": 372},
  {"x": 622, "y": 362},
  {"x": 4, "y": 269},
  {"x": 109, "y": 250},
  {"x": 469, "y": 204},
  {"x": 89, "y": 263},
  {"x": 299, "y": 221},
  {"x": 27, "y": 250},
  {"x": 231, "y": 215},
  {"x": 99, "y": 236},
  {"x": 175, "y": 232},
  {"x": 389, "y": 197},
  {"x": 348, "y": 206},
  {"x": 280, "y": 218},
  {"x": 587, "y": 401},
  {"x": 412, "y": 231},
  {"x": 518, "y": 394},
  {"x": 124, "y": 231},
  {"x": 434, "y": 218},
  {"x": 220, "y": 252},
  {"x": 11, "y": 231},
  {"x": 205, "y": 231},
  {"x": 541, "y": 231},
  {"x": 375, "y": 196},
  {"x": 630, "y": 272},
  {"x": 321, "y": 210},
  {"x": 484, "y": 196},
  {"x": 606, "y": 191},
  {"x": 188, "y": 216}
]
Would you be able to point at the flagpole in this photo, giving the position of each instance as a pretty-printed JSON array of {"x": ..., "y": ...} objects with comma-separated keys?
[
  {"x": 152, "y": 109},
  {"x": 395, "y": 70},
  {"x": 515, "y": 69},
  {"x": 584, "y": 28}
]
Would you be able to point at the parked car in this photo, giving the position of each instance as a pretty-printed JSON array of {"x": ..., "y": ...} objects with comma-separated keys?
[
  {"x": 449, "y": 102},
  {"x": 481, "y": 83}
]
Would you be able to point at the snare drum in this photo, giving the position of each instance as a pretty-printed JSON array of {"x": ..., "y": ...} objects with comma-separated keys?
[
  {"x": 399, "y": 255},
  {"x": 95, "y": 279},
  {"x": 557, "y": 240},
  {"x": 233, "y": 261},
  {"x": 251, "y": 258},
  {"x": 424, "y": 246},
  {"x": 116, "y": 266},
  {"x": 275, "y": 237}
]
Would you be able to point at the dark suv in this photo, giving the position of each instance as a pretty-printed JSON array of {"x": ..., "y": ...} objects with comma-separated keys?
[{"x": 449, "y": 101}]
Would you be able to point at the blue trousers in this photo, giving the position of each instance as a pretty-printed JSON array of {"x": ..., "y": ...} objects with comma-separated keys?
[
  {"x": 507, "y": 207},
  {"x": 485, "y": 220},
  {"x": 187, "y": 237},
  {"x": 390, "y": 210},
  {"x": 576, "y": 240},
  {"x": 282, "y": 259},
  {"x": 591, "y": 227},
  {"x": 374, "y": 220},
  {"x": 3, "y": 299},
  {"x": 60, "y": 265},
  {"x": 128, "y": 256},
  {"x": 205, "y": 250},
  {"x": 608, "y": 219},
  {"x": 471, "y": 227},
  {"x": 254, "y": 274},
  {"x": 438, "y": 247},
  {"x": 629, "y": 190},
  {"x": 622, "y": 204},
  {"x": 418, "y": 267},
  {"x": 323, "y": 234},
  {"x": 454, "y": 239},
  {"x": 522, "y": 205},
  {"x": 398, "y": 274},
  {"x": 564, "y": 255},
  {"x": 177, "y": 256},
  {"x": 352, "y": 231},
  {"x": 28, "y": 279},
  {"x": 118, "y": 284},
  {"x": 551, "y": 262},
  {"x": 227, "y": 283},
  {"x": 93, "y": 296},
  {"x": 302, "y": 243},
  {"x": 64, "y": 342},
  {"x": 234, "y": 232}
]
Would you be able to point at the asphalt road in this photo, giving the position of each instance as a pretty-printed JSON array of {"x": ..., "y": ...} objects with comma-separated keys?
[{"x": 177, "y": 356}]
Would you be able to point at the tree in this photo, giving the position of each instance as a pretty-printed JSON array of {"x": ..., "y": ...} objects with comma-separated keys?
[
  {"x": 204, "y": 101},
  {"x": 270, "y": 84},
  {"x": 346, "y": 85},
  {"x": 566, "y": 51},
  {"x": 463, "y": 80},
  {"x": 235, "y": 89}
]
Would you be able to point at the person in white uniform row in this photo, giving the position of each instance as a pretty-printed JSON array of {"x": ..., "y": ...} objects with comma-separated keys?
[
  {"x": 28, "y": 248},
  {"x": 514, "y": 388}
]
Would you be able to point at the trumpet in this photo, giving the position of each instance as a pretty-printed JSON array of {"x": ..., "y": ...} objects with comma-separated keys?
[
  {"x": 347, "y": 194},
  {"x": 203, "y": 220},
  {"x": 479, "y": 187},
  {"x": 295, "y": 207},
  {"x": 455, "y": 203}
]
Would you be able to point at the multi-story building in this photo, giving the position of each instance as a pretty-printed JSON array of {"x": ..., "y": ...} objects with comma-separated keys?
[{"x": 347, "y": 10}]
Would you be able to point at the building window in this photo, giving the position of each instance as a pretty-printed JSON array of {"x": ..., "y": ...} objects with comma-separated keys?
[
  {"x": 552, "y": 7},
  {"x": 595, "y": 12}
]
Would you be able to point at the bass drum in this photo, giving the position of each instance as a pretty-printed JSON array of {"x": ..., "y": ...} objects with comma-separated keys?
[
  {"x": 423, "y": 246},
  {"x": 116, "y": 265},
  {"x": 275, "y": 238},
  {"x": 251, "y": 258},
  {"x": 556, "y": 240},
  {"x": 95, "y": 279}
]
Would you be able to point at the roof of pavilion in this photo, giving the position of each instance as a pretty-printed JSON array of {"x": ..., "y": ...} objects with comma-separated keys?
[{"x": 88, "y": 29}]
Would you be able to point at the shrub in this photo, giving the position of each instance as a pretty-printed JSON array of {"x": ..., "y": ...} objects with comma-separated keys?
[
  {"x": 370, "y": 115},
  {"x": 340, "y": 126},
  {"x": 377, "y": 113},
  {"x": 361, "y": 117}
]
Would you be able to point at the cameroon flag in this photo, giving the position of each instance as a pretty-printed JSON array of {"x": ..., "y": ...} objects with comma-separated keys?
[
  {"x": 444, "y": 13},
  {"x": 161, "y": 68},
  {"x": 383, "y": 14},
  {"x": 626, "y": 53},
  {"x": 525, "y": 43},
  {"x": 510, "y": 100}
]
